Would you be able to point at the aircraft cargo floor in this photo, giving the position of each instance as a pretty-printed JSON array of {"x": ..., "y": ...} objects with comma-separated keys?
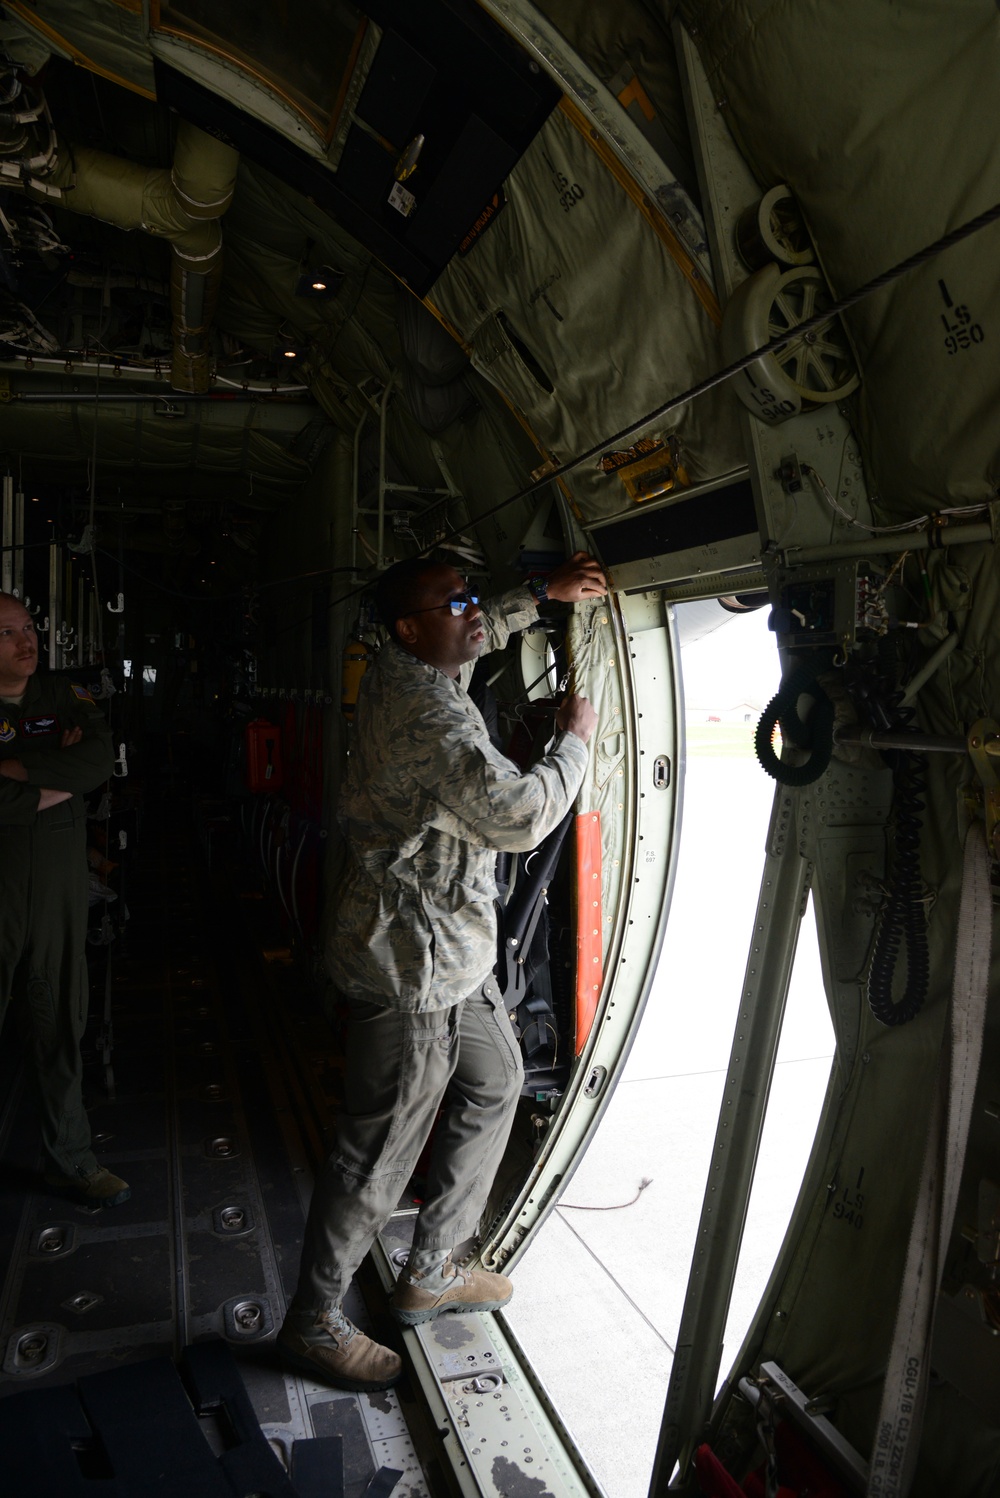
[{"x": 223, "y": 1075}]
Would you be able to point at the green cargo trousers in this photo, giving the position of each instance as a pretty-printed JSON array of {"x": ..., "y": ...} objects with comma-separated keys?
[
  {"x": 43, "y": 930},
  {"x": 400, "y": 1067}
]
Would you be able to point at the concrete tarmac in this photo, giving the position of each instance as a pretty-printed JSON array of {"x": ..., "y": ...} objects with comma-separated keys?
[{"x": 599, "y": 1294}]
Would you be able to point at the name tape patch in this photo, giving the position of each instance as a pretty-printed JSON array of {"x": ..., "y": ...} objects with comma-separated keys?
[{"x": 31, "y": 727}]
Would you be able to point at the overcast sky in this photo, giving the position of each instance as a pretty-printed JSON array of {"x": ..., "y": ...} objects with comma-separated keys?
[{"x": 736, "y": 663}]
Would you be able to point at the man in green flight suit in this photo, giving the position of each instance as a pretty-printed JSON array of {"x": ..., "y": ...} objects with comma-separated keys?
[{"x": 54, "y": 747}]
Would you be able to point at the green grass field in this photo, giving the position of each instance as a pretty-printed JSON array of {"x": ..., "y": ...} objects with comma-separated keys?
[{"x": 721, "y": 740}]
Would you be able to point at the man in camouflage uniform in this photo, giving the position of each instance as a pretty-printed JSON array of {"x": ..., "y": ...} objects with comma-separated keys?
[
  {"x": 427, "y": 805},
  {"x": 54, "y": 747}
]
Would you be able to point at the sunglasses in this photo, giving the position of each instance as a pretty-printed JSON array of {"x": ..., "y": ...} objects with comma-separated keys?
[{"x": 457, "y": 606}]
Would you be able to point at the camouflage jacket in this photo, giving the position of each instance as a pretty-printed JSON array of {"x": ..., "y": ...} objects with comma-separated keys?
[{"x": 427, "y": 804}]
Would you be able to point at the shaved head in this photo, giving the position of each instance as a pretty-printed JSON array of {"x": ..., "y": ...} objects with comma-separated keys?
[{"x": 403, "y": 587}]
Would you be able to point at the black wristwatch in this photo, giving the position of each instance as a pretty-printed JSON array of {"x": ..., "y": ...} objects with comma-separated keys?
[{"x": 538, "y": 587}]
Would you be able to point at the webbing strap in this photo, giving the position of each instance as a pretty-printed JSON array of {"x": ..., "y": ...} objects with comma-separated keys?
[{"x": 897, "y": 1437}]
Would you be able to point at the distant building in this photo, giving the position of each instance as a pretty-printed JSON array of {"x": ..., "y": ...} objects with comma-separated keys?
[{"x": 740, "y": 712}]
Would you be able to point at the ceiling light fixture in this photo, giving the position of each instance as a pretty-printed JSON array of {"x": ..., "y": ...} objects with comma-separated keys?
[{"x": 321, "y": 282}]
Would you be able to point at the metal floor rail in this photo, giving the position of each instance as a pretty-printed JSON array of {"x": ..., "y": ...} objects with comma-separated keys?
[{"x": 216, "y": 1134}]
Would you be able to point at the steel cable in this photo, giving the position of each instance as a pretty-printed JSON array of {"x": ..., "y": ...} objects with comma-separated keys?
[{"x": 773, "y": 346}]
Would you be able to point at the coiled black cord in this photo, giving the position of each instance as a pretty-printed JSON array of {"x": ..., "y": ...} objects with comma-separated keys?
[
  {"x": 903, "y": 920},
  {"x": 813, "y": 734}
]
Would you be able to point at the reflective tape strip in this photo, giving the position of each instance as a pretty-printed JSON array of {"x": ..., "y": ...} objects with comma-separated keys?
[
  {"x": 208, "y": 207},
  {"x": 897, "y": 1434}
]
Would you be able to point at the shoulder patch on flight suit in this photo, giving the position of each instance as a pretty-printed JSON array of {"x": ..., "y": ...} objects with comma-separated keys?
[
  {"x": 82, "y": 693},
  {"x": 7, "y": 731},
  {"x": 44, "y": 724}
]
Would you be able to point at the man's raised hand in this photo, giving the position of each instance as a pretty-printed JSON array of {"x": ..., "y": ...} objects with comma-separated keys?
[
  {"x": 580, "y": 578},
  {"x": 576, "y": 715}
]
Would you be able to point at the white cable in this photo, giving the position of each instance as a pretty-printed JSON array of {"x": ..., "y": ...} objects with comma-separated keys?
[
  {"x": 919, "y": 524},
  {"x": 261, "y": 387}
]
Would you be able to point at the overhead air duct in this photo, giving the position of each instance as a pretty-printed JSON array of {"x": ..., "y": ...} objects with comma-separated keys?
[{"x": 183, "y": 205}]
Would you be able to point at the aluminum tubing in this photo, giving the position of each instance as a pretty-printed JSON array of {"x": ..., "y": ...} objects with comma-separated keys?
[
  {"x": 193, "y": 298},
  {"x": 182, "y": 205},
  {"x": 99, "y": 185},
  {"x": 203, "y": 179}
]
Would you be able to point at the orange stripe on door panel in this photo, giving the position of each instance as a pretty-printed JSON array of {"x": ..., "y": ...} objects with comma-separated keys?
[{"x": 589, "y": 967}]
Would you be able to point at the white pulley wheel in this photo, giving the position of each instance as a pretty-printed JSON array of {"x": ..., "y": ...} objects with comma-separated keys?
[
  {"x": 813, "y": 369},
  {"x": 772, "y": 230},
  {"x": 538, "y": 665}
]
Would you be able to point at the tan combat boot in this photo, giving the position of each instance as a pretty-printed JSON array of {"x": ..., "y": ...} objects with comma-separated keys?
[
  {"x": 464, "y": 1290},
  {"x": 334, "y": 1350},
  {"x": 98, "y": 1188}
]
